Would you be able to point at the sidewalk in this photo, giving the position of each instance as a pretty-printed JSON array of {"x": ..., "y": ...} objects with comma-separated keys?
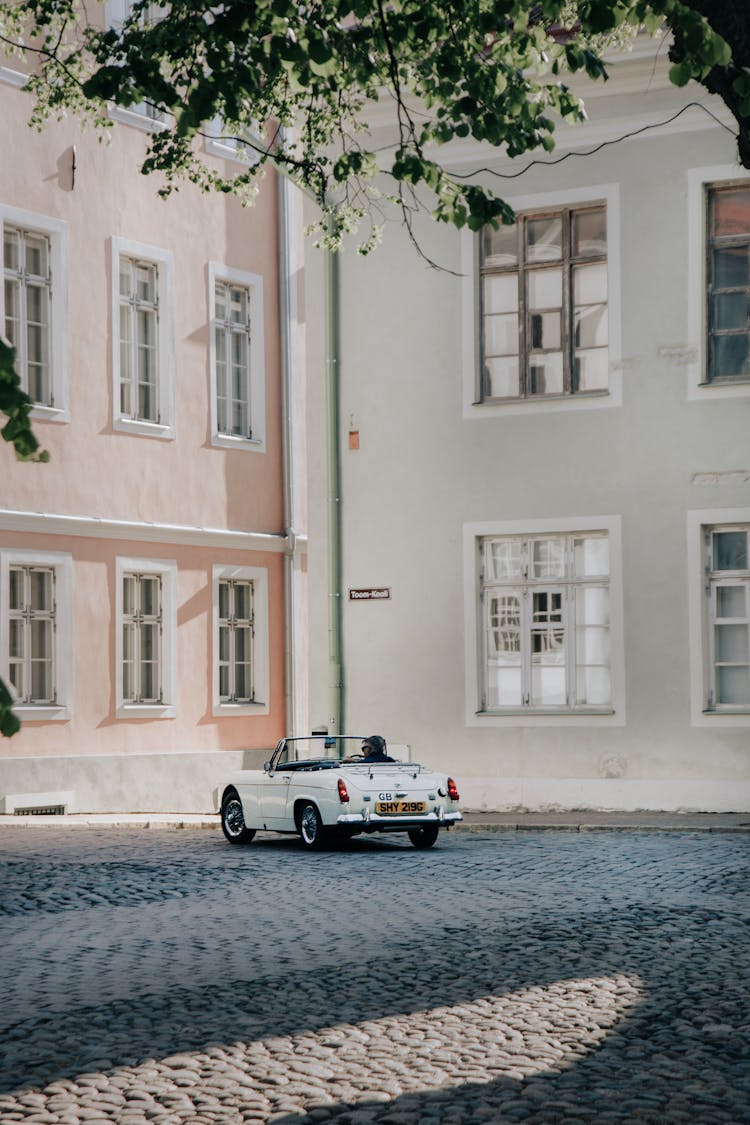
[{"x": 573, "y": 821}]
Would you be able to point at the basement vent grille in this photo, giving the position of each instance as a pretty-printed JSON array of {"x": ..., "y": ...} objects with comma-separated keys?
[{"x": 41, "y": 810}]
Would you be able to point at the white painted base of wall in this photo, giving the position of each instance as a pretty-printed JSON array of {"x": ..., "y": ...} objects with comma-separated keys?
[
  {"x": 126, "y": 783},
  {"x": 541, "y": 794}
]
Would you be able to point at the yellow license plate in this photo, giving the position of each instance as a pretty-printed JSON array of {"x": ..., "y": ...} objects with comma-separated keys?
[{"x": 399, "y": 808}]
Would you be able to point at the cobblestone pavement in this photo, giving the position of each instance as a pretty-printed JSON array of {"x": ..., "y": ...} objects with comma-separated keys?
[{"x": 164, "y": 977}]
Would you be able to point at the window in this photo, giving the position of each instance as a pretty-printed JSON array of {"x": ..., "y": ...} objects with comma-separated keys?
[
  {"x": 728, "y": 291},
  {"x": 35, "y": 632},
  {"x": 238, "y": 143},
  {"x": 241, "y": 675},
  {"x": 237, "y": 365},
  {"x": 544, "y": 305},
  {"x": 143, "y": 115},
  {"x": 34, "y": 306},
  {"x": 728, "y": 591},
  {"x": 146, "y": 635},
  {"x": 236, "y": 631},
  {"x": 143, "y": 359},
  {"x": 545, "y": 609}
]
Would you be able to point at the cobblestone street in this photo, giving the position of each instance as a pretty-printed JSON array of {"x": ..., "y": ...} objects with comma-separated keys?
[{"x": 164, "y": 977}]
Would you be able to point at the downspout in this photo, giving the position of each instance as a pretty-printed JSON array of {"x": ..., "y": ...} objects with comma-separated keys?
[
  {"x": 333, "y": 353},
  {"x": 294, "y": 643}
]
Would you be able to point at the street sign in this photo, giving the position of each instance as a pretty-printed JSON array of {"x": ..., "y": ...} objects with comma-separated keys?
[{"x": 370, "y": 594}]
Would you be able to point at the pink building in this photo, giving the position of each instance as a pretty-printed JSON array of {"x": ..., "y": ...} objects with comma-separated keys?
[{"x": 152, "y": 575}]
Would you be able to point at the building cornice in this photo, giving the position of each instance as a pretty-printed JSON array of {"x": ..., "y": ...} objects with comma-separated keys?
[{"x": 181, "y": 535}]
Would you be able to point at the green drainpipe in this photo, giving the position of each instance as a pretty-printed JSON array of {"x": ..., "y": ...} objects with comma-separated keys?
[{"x": 333, "y": 349}]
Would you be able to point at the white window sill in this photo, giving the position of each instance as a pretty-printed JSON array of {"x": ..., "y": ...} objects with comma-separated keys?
[
  {"x": 236, "y": 710},
  {"x": 146, "y": 711},
  {"x": 583, "y": 400},
  {"x": 546, "y": 712},
  {"x": 144, "y": 429},
  {"x": 41, "y": 413},
  {"x": 41, "y": 712},
  {"x": 216, "y": 147},
  {"x": 248, "y": 445},
  {"x": 136, "y": 119}
]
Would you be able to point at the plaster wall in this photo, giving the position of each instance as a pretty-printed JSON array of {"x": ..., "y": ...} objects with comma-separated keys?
[{"x": 428, "y": 465}]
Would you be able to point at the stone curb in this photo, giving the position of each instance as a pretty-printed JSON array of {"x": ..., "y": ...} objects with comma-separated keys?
[{"x": 473, "y": 822}]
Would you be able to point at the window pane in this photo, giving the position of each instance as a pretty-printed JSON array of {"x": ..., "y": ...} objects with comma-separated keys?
[
  {"x": 150, "y": 596},
  {"x": 731, "y": 267},
  {"x": 239, "y": 306},
  {"x": 224, "y": 643},
  {"x": 501, "y": 293},
  {"x": 37, "y": 255},
  {"x": 591, "y": 556},
  {"x": 732, "y": 644},
  {"x": 12, "y": 311},
  {"x": 224, "y": 600},
  {"x": 145, "y": 283},
  {"x": 501, "y": 378},
  {"x": 545, "y": 289},
  {"x": 733, "y": 686},
  {"x": 16, "y": 584},
  {"x": 504, "y": 558},
  {"x": 545, "y": 331},
  {"x": 731, "y": 601},
  {"x": 544, "y": 239},
  {"x": 730, "y": 550},
  {"x": 504, "y": 687},
  {"x": 592, "y": 606},
  {"x": 40, "y": 590},
  {"x": 16, "y": 645},
  {"x": 500, "y": 247},
  {"x": 593, "y": 686},
  {"x": 243, "y": 600},
  {"x": 505, "y": 627},
  {"x": 730, "y": 311},
  {"x": 220, "y": 298},
  {"x": 546, "y": 374},
  {"x": 730, "y": 355},
  {"x": 548, "y": 558},
  {"x": 590, "y": 326},
  {"x": 501, "y": 335},
  {"x": 126, "y": 278},
  {"x": 589, "y": 233},
  {"x": 11, "y": 250},
  {"x": 590, "y": 284},
  {"x": 591, "y": 370},
  {"x": 730, "y": 212}
]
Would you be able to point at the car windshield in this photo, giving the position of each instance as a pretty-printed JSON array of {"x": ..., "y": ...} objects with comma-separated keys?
[{"x": 317, "y": 747}]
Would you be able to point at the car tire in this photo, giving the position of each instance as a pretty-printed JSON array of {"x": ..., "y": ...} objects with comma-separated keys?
[
  {"x": 424, "y": 837},
  {"x": 233, "y": 819},
  {"x": 310, "y": 825}
]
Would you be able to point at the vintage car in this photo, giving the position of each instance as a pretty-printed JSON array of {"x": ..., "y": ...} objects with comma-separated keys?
[{"x": 320, "y": 787}]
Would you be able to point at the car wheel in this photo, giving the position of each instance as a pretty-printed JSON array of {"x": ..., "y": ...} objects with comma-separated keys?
[
  {"x": 233, "y": 819},
  {"x": 311, "y": 827},
  {"x": 424, "y": 837}
]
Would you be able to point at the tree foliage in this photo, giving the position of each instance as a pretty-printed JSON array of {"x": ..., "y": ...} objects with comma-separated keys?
[{"x": 491, "y": 70}]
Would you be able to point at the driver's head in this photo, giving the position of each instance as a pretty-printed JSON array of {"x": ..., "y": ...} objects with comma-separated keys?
[{"x": 375, "y": 744}]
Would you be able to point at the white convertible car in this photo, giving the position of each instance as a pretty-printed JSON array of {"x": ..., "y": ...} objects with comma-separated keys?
[{"x": 320, "y": 787}]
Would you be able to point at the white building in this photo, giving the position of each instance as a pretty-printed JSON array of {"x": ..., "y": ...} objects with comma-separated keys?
[{"x": 545, "y": 471}]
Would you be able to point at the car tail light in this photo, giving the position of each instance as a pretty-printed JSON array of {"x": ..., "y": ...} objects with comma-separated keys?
[
  {"x": 343, "y": 791},
  {"x": 452, "y": 791}
]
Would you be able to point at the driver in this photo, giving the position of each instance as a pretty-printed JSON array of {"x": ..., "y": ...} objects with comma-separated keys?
[{"x": 373, "y": 749}]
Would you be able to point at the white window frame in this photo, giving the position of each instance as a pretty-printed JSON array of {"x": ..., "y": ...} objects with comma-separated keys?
[
  {"x": 701, "y": 672},
  {"x": 140, "y": 116},
  {"x": 254, "y": 283},
  {"x": 166, "y": 569},
  {"x": 62, "y": 563},
  {"x": 57, "y": 232},
  {"x": 473, "y": 533},
  {"x": 698, "y": 182},
  {"x": 218, "y": 142},
  {"x": 162, "y": 259},
  {"x": 261, "y": 658},
  {"x": 470, "y": 309}
]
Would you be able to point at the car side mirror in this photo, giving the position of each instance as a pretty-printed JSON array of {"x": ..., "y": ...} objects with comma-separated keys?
[{"x": 267, "y": 767}]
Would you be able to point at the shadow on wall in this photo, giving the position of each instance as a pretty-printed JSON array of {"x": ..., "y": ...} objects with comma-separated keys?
[{"x": 602, "y": 1010}]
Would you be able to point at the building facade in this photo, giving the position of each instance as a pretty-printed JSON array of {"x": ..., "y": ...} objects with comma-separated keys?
[
  {"x": 543, "y": 462},
  {"x": 152, "y": 574}
]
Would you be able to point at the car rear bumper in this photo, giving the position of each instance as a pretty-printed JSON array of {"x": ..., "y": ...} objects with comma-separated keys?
[{"x": 373, "y": 819}]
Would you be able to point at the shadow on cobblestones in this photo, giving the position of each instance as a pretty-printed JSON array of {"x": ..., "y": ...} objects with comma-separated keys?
[
  {"x": 557, "y": 1010},
  {"x": 601, "y": 1012}
]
